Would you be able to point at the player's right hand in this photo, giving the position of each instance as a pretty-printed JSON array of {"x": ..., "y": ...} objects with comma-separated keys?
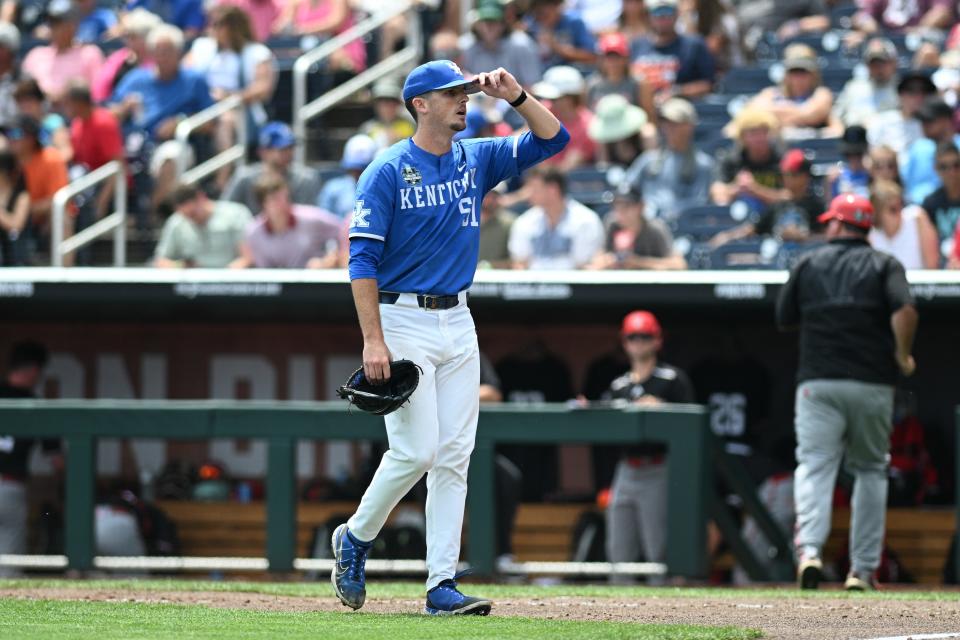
[
  {"x": 376, "y": 361},
  {"x": 907, "y": 364}
]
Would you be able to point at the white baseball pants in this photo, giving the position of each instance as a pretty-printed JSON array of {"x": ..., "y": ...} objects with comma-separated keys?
[{"x": 434, "y": 433}]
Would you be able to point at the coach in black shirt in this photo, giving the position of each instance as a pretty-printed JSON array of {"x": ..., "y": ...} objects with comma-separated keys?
[
  {"x": 857, "y": 323},
  {"x": 25, "y": 366}
]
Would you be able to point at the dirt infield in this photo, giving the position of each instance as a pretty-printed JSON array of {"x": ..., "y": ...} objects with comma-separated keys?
[{"x": 781, "y": 618}]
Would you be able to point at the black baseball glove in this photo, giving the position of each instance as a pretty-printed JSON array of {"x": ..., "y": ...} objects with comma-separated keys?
[{"x": 381, "y": 399}]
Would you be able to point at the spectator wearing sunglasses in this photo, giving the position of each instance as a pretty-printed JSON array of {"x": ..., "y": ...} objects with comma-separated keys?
[
  {"x": 943, "y": 205},
  {"x": 637, "y": 515}
]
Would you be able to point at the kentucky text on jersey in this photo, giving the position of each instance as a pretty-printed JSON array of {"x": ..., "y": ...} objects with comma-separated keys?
[
  {"x": 416, "y": 222},
  {"x": 430, "y": 195}
]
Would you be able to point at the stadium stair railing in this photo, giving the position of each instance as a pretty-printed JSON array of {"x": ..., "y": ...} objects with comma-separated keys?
[
  {"x": 115, "y": 222},
  {"x": 236, "y": 154},
  {"x": 304, "y": 112}
]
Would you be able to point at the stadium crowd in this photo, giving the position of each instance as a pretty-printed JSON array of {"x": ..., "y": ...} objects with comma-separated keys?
[{"x": 705, "y": 133}]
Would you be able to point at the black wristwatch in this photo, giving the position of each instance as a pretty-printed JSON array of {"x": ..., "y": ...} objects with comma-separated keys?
[{"x": 520, "y": 100}]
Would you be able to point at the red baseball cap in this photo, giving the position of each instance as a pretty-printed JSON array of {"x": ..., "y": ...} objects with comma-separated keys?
[
  {"x": 614, "y": 42},
  {"x": 795, "y": 161},
  {"x": 640, "y": 322},
  {"x": 846, "y": 207}
]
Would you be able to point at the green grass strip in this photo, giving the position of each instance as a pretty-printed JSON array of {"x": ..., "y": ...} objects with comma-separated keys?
[
  {"x": 65, "y": 620},
  {"x": 377, "y": 589}
]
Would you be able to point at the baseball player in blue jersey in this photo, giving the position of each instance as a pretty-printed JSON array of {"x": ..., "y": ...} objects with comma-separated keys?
[{"x": 414, "y": 239}]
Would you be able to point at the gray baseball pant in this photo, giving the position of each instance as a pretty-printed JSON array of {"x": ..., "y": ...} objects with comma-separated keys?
[
  {"x": 833, "y": 418},
  {"x": 637, "y": 515},
  {"x": 13, "y": 521}
]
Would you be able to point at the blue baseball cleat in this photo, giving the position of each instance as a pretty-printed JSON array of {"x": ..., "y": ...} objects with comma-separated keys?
[
  {"x": 348, "y": 578},
  {"x": 445, "y": 600}
]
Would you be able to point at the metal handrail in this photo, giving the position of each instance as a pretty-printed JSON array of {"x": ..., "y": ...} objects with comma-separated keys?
[
  {"x": 237, "y": 153},
  {"x": 116, "y": 221},
  {"x": 303, "y": 111}
]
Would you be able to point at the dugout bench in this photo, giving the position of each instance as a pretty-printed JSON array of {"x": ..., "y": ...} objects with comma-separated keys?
[{"x": 281, "y": 424}]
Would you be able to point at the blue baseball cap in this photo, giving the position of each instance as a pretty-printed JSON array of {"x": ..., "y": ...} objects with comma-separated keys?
[
  {"x": 277, "y": 135},
  {"x": 439, "y": 74}
]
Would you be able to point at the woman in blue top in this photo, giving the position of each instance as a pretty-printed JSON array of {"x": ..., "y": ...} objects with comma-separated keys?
[{"x": 54, "y": 131}]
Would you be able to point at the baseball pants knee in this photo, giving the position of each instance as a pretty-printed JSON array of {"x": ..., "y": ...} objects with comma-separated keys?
[{"x": 433, "y": 434}]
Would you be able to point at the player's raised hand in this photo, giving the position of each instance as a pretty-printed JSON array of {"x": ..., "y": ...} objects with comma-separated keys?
[{"x": 499, "y": 83}]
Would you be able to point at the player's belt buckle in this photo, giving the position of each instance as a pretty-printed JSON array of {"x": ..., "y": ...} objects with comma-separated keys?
[{"x": 435, "y": 303}]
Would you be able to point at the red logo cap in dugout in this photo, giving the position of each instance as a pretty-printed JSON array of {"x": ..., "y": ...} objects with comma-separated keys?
[
  {"x": 640, "y": 322},
  {"x": 846, "y": 207},
  {"x": 439, "y": 74}
]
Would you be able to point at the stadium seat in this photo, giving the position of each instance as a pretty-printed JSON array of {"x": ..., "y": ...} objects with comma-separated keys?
[
  {"x": 790, "y": 252},
  {"x": 834, "y": 77},
  {"x": 702, "y": 223},
  {"x": 712, "y": 109},
  {"x": 589, "y": 186},
  {"x": 753, "y": 253},
  {"x": 822, "y": 152},
  {"x": 745, "y": 80}
]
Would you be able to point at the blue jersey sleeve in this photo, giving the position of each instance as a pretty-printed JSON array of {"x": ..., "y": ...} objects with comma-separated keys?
[
  {"x": 509, "y": 157},
  {"x": 365, "y": 254},
  {"x": 375, "y": 202}
]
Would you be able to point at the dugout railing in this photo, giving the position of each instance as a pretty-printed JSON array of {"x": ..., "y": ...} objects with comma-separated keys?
[{"x": 684, "y": 428}]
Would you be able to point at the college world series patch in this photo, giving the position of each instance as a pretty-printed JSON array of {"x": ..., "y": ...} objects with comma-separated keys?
[{"x": 411, "y": 175}]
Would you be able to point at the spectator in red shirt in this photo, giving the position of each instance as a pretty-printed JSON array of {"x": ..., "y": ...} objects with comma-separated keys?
[
  {"x": 563, "y": 86},
  {"x": 95, "y": 136}
]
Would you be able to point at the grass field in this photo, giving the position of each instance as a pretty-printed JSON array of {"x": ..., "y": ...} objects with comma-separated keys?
[
  {"x": 56, "y": 620},
  {"x": 108, "y": 609}
]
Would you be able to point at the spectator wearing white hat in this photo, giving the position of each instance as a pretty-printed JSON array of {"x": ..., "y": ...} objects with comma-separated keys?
[
  {"x": 675, "y": 176},
  {"x": 9, "y": 73},
  {"x": 339, "y": 194},
  {"x": 617, "y": 128},
  {"x": 674, "y": 63},
  {"x": 563, "y": 87}
]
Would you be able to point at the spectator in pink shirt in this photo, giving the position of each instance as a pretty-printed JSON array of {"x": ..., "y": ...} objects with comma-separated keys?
[
  {"x": 263, "y": 14},
  {"x": 135, "y": 26},
  {"x": 325, "y": 19},
  {"x": 563, "y": 86},
  {"x": 64, "y": 59},
  {"x": 287, "y": 235}
]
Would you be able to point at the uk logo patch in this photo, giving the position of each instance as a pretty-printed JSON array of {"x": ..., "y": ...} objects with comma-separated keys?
[
  {"x": 360, "y": 215},
  {"x": 411, "y": 175},
  {"x": 453, "y": 65}
]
